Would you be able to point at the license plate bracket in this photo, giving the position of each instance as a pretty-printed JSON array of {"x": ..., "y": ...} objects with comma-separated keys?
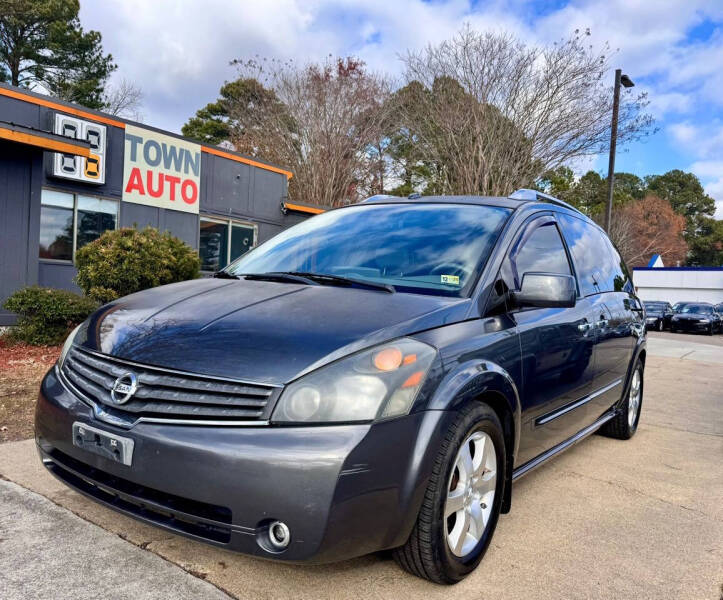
[{"x": 108, "y": 445}]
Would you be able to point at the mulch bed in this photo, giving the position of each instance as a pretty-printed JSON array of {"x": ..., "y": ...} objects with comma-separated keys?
[{"x": 21, "y": 369}]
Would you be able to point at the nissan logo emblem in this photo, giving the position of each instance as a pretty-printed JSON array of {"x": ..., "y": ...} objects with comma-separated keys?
[{"x": 123, "y": 388}]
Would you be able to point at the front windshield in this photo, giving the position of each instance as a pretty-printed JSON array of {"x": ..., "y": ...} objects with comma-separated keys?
[
  {"x": 425, "y": 248},
  {"x": 697, "y": 308}
]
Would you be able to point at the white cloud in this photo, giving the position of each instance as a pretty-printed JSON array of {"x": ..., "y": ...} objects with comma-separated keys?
[
  {"x": 711, "y": 173},
  {"x": 704, "y": 142},
  {"x": 178, "y": 52}
]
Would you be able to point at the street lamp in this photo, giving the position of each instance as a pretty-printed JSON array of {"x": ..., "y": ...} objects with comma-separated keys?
[{"x": 628, "y": 83}]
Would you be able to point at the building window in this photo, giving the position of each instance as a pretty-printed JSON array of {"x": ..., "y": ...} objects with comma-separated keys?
[
  {"x": 70, "y": 221},
  {"x": 222, "y": 241}
]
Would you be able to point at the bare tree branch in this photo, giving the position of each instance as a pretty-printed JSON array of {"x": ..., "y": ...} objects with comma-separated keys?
[
  {"x": 124, "y": 99},
  {"x": 324, "y": 121},
  {"x": 494, "y": 113}
]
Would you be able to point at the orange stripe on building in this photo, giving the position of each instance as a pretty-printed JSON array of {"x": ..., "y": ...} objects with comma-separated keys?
[
  {"x": 42, "y": 142},
  {"x": 246, "y": 161},
  {"x": 301, "y": 208},
  {"x": 61, "y": 107}
]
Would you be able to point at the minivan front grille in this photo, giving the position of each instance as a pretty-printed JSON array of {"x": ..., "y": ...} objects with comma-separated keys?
[{"x": 166, "y": 395}]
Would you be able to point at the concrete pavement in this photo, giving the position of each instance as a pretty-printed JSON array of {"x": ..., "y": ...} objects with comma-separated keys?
[
  {"x": 607, "y": 519},
  {"x": 687, "y": 347},
  {"x": 48, "y": 552},
  {"x": 683, "y": 338}
]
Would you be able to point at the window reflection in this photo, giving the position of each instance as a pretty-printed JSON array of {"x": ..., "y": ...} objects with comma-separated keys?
[
  {"x": 56, "y": 233},
  {"x": 58, "y": 229},
  {"x": 426, "y": 247}
]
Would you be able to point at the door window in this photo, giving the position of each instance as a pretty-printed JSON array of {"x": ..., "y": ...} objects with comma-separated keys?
[
  {"x": 542, "y": 252},
  {"x": 222, "y": 241}
]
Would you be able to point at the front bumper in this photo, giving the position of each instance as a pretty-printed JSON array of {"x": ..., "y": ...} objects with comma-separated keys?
[
  {"x": 653, "y": 323},
  {"x": 343, "y": 490},
  {"x": 688, "y": 325}
]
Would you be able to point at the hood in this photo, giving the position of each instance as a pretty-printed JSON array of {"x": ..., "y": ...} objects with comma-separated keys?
[{"x": 259, "y": 331}]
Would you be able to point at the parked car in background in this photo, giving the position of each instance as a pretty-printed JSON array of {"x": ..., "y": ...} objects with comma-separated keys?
[
  {"x": 697, "y": 317},
  {"x": 657, "y": 315},
  {"x": 373, "y": 378},
  {"x": 719, "y": 308},
  {"x": 679, "y": 305}
]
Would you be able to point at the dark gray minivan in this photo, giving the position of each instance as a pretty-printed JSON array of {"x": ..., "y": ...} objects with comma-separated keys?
[{"x": 373, "y": 378}]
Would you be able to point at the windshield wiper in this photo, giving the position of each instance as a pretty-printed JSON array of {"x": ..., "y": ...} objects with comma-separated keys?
[
  {"x": 224, "y": 275},
  {"x": 278, "y": 276},
  {"x": 325, "y": 278}
]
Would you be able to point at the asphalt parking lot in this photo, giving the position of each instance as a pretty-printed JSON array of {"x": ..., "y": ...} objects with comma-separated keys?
[{"x": 607, "y": 519}]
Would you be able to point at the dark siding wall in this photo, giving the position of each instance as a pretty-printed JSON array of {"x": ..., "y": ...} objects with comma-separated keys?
[
  {"x": 224, "y": 186},
  {"x": 182, "y": 225},
  {"x": 19, "y": 166},
  {"x": 57, "y": 275},
  {"x": 22, "y": 113},
  {"x": 267, "y": 185},
  {"x": 240, "y": 191}
]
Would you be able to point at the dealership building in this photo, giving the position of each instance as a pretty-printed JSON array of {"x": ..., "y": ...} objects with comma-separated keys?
[{"x": 67, "y": 174}]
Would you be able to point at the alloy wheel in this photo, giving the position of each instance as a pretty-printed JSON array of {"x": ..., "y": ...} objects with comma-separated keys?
[
  {"x": 470, "y": 493},
  {"x": 634, "y": 398}
]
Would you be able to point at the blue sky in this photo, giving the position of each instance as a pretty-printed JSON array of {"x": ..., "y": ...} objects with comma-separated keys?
[{"x": 178, "y": 53}]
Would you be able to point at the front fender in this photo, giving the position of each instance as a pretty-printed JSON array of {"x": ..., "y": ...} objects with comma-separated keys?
[{"x": 471, "y": 380}]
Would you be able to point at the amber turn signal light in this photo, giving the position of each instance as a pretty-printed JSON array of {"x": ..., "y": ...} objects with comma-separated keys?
[{"x": 388, "y": 359}]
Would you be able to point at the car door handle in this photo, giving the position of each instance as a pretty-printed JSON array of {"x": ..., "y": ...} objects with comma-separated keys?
[
  {"x": 583, "y": 327},
  {"x": 602, "y": 323}
]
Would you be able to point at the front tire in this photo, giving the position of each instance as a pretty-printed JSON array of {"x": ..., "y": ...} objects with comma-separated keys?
[
  {"x": 462, "y": 502},
  {"x": 660, "y": 325},
  {"x": 625, "y": 423}
]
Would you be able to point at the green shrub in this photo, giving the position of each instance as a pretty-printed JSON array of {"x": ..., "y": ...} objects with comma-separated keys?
[
  {"x": 127, "y": 260},
  {"x": 47, "y": 315}
]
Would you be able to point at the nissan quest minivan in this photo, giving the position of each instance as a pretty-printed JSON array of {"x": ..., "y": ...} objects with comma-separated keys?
[{"x": 373, "y": 378}]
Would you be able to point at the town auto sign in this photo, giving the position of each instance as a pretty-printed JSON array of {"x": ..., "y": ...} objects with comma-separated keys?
[{"x": 160, "y": 170}]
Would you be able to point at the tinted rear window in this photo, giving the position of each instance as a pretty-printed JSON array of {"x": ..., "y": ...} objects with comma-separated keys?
[{"x": 598, "y": 265}]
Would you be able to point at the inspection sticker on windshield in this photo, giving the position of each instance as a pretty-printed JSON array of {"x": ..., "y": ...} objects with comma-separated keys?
[{"x": 450, "y": 279}]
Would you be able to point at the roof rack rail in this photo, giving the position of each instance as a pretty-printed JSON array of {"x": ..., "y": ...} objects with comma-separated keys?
[
  {"x": 535, "y": 196},
  {"x": 380, "y": 197}
]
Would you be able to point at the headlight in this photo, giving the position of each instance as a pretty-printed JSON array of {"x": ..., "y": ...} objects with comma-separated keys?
[
  {"x": 378, "y": 383},
  {"x": 705, "y": 320},
  {"x": 66, "y": 346}
]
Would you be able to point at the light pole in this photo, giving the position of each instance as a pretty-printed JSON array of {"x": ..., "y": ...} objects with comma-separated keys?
[{"x": 627, "y": 82}]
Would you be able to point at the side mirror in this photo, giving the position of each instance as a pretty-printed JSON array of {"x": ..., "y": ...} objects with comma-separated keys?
[{"x": 546, "y": 290}]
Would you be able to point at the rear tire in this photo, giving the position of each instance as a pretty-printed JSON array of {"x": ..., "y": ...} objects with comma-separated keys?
[
  {"x": 625, "y": 423},
  {"x": 660, "y": 325},
  {"x": 467, "y": 485}
]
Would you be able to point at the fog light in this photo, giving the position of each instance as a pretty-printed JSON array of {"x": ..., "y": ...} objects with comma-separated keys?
[{"x": 279, "y": 535}]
